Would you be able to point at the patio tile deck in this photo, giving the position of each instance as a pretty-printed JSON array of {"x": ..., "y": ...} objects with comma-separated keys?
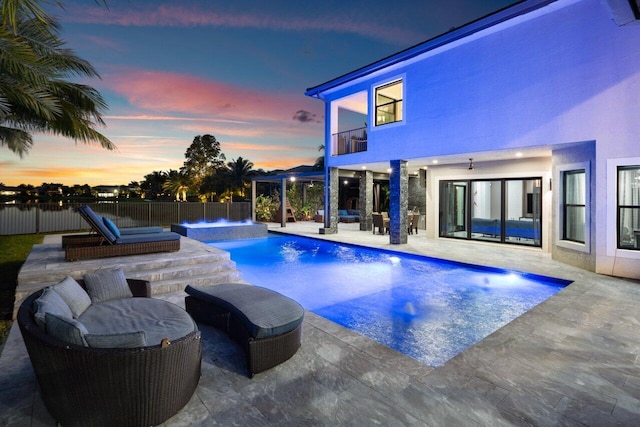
[{"x": 572, "y": 360}]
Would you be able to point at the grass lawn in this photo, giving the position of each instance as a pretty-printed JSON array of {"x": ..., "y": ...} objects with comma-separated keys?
[{"x": 13, "y": 253}]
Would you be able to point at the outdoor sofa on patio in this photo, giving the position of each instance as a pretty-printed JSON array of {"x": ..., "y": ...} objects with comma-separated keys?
[
  {"x": 111, "y": 355},
  {"x": 111, "y": 241}
]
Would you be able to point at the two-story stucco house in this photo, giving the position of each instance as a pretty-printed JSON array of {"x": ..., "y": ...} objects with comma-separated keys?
[{"x": 522, "y": 127}]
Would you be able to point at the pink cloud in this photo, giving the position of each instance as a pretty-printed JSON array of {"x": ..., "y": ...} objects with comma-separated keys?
[
  {"x": 180, "y": 16},
  {"x": 171, "y": 93}
]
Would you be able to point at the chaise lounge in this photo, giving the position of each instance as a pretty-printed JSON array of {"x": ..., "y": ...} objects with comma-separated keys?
[
  {"x": 111, "y": 241},
  {"x": 266, "y": 324}
]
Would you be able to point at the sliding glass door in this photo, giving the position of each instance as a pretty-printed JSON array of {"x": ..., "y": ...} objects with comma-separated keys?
[
  {"x": 453, "y": 219},
  {"x": 496, "y": 210}
]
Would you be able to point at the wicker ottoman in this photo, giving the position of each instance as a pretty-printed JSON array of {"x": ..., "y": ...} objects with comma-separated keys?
[{"x": 268, "y": 325}]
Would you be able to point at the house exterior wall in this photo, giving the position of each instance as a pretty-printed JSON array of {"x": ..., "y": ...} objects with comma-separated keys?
[{"x": 556, "y": 76}]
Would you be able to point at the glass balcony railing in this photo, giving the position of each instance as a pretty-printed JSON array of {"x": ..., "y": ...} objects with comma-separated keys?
[{"x": 351, "y": 141}]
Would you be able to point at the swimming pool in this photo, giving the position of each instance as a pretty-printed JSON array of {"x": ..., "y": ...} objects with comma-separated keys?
[{"x": 429, "y": 309}]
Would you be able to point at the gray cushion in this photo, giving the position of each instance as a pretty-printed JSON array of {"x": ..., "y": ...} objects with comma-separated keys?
[
  {"x": 111, "y": 226},
  {"x": 122, "y": 340},
  {"x": 106, "y": 285},
  {"x": 265, "y": 313},
  {"x": 72, "y": 293},
  {"x": 50, "y": 302},
  {"x": 157, "y": 318},
  {"x": 66, "y": 329}
]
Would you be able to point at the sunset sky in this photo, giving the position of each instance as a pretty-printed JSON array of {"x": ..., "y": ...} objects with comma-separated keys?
[{"x": 237, "y": 70}]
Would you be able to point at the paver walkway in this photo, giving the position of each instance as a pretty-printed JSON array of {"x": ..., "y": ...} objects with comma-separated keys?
[{"x": 573, "y": 360}]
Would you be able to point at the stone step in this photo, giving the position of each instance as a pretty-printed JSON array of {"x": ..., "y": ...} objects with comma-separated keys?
[
  {"x": 180, "y": 272},
  {"x": 174, "y": 285},
  {"x": 195, "y": 263}
]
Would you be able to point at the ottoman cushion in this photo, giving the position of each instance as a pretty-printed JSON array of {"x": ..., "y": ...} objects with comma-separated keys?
[{"x": 265, "y": 313}]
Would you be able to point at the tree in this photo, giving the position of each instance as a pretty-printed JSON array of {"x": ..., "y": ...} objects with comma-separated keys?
[
  {"x": 215, "y": 185},
  {"x": 35, "y": 93},
  {"x": 319, "y": 163},
  {"x": 152, "y": 184},
  {"x": 204, "y": 157},
  {"x": 177, "y": 183},
  {"x": 240, "y": 173}
]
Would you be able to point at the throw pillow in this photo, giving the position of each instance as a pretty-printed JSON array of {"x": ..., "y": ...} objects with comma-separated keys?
[
  {"x": 72, "y": 293},
  {"x": 66, "y": 329},
  {"x": 123, "y": 340},
  {"x": 106, "y": 285},
  {"x": 50, "y": 302},
  {"x": 111, "y": 226}
]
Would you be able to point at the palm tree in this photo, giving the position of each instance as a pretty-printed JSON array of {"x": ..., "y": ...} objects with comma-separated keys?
[
  {"x": 240, "y": 173},
  {"x": 35, "y": 94},
  {"x": 319, "y": 163},
  {"x": 178, "y": 183},
  {"x": 153, "y": 183}
]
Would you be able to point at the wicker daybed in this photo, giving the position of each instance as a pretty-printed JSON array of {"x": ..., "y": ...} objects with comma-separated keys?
[
  {"x": 90, "y": 386},
  {"x": 111, "y": 241}
]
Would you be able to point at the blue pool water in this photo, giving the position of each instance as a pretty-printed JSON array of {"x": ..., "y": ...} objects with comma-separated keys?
[{"x": 429, "y": 309}]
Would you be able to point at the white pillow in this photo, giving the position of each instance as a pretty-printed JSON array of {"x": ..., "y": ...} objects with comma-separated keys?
[
  {"x": 106, "y": 285},
  {"x": 72, "y": 293}
]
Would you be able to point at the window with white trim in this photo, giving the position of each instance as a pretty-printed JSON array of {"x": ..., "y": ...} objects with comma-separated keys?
[
  {"x": 628, "y": 207},
  {"x": 388, "y": 100},
  {"x": 574, "y": 205}
]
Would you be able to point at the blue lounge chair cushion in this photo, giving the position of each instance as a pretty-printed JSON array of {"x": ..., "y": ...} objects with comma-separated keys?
[
  {"x": 111, "y": 226},
  {"x": 265, "y": 313},
  {"x": 140, "y": 230},
  {"x": 146, "y": 238},
  {"x": 96, "y": 222}
]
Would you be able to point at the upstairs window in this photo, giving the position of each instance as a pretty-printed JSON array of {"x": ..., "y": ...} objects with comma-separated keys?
[{"x": 389, "y": 103}]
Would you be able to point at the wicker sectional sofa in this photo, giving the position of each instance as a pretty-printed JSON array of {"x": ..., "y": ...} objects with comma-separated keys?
[{"x": 125, "y": 359}]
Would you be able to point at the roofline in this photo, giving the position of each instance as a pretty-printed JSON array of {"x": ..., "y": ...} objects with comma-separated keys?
[{"x": 521, "y": 8}]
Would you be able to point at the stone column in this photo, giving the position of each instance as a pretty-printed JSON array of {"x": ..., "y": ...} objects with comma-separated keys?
[
  {"x": 253, "y": 200},
  {"x": 331, "y": 192},
  {"x": 283, "y": 202},
  {"x": 398, "y": 202},
  {"x": 366, "y": 200}
]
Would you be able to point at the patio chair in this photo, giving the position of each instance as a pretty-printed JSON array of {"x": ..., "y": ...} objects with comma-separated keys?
[
  {"x": 381, "y": 222},
  {"x": 114, "y": 243},
  {"x": 413, "y": 223}
]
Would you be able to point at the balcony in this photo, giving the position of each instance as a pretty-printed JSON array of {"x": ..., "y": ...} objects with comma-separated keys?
[{"x": 351, "y": 141}]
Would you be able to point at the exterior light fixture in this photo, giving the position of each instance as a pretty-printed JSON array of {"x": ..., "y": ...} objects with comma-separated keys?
[
  {"x": 364, "y": 167},
  {"x": 518, "y": 154},
  {"x": 292, "y": 179},
  {"x": 434, "y": 161}
]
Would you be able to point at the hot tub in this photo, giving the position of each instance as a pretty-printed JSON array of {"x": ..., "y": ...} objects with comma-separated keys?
[{"x": 221, "y": 230}]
